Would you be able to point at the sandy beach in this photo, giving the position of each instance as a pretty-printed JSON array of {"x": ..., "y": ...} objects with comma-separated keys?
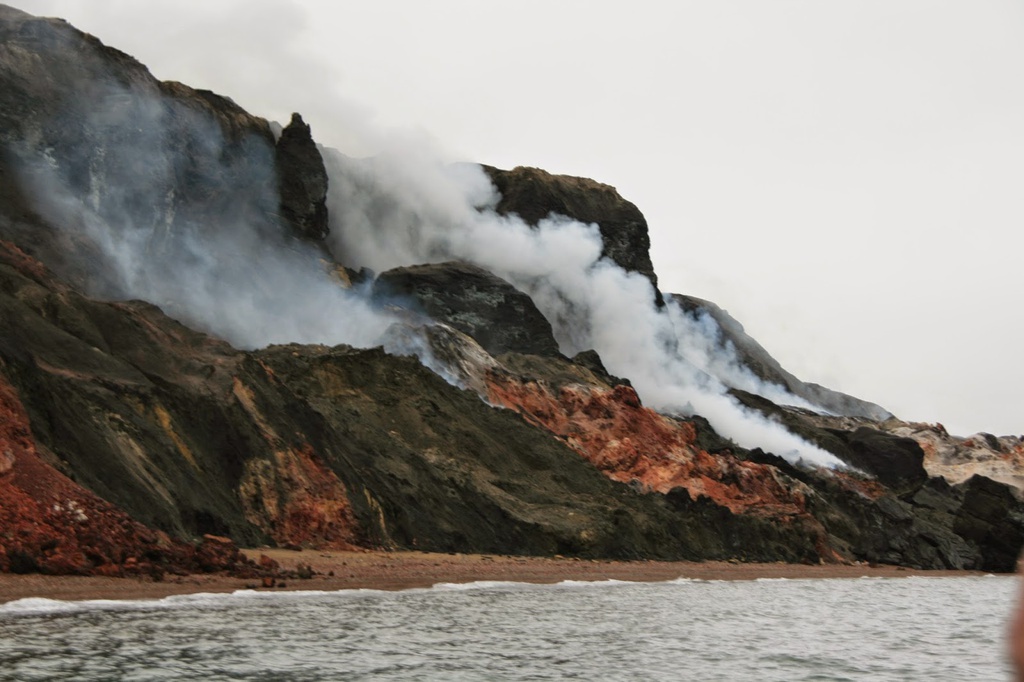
[{"x": 404, "y": 570}]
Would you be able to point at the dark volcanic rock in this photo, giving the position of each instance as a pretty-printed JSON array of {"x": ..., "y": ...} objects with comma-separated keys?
[
  {"x": 757, "y": 499},
  {"x": 106, "y": 388},
  {"x": 592, "y": 361},
  {"x": 866, "y": 522},
  {"x": 795, "y": 422},
  {"x": 750, "y": 538},
  {"x": 901, "y": 516},
  {"x": 302, "y": 181},
  {"x": 888, "y": 530},
  {"x": 439, "y": 470},
  {"x": 992, "y": 517},
  {"x": 319, "y": 446},
  {"x": 534, "y": 194},
  {"x": 897, "y": 462},
  {"x": 497, "y": 315}
]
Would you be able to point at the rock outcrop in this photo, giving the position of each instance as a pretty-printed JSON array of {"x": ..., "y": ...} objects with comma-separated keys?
[
  {"x": 497, "y": 315},
  {"x": 911, "y": 514},
  {"x": 990, "y": 517},
  {"x": 896, "y": 515},
  {"x": 957, "y": 459},
  {"x": 302, "y": 181},
  {"x": 534, "y": 194},
  {"x": 895, "y": 461}
]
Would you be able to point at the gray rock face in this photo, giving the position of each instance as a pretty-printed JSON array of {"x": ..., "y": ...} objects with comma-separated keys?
[
  {"x": 497, "y": 315},
  {"x": 161, "y": 165},
  {"x": 302, "y": 181},
  {"x": 753, "y": 356},
  {"x": 534, "y": 194}
]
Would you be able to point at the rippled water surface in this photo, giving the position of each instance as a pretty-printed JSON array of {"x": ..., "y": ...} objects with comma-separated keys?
[{"x": 866, "y": 629}]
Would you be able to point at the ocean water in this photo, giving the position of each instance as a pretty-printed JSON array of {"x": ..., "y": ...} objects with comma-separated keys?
[{"x": 861, "y": 629}]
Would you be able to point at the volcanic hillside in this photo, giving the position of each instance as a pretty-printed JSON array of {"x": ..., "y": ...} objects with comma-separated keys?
[{"x": 212, "y": 326}]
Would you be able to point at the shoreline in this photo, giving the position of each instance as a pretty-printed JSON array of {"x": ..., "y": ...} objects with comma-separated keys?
[{"x": 378, "y": 570}]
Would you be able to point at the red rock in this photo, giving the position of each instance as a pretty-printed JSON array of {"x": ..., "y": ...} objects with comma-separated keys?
[
  {"x": 50, "y": 524},
  {"x": 109, "y": 570},
  {"x": 268, "y": 564},
  {"x": 311, "y": 509},
  {"x": 633, "y": 444},
  {"x": 216, "y": 553}
]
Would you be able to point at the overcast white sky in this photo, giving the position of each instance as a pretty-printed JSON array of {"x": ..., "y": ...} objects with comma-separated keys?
[{"x": 845, "y": 177}]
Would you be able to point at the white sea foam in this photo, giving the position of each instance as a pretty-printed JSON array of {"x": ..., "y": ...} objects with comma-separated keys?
[{"x": 478, "y": 585}]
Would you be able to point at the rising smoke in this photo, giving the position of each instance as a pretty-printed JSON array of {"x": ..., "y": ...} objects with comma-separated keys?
[
  {"x": 179, "y": 212},
  {"x": 402, "y": 208}
]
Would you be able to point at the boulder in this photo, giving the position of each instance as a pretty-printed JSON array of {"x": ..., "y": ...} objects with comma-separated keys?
[
  {"x": 215, "y": 553},
  {"x": 895, "y": 461},
  {"x": 497, "y": 315}
]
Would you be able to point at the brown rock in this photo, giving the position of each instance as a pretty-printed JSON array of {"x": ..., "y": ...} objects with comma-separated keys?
[
  {"x": 268, "y": 564},
  {"x": 216, "y": 553}
]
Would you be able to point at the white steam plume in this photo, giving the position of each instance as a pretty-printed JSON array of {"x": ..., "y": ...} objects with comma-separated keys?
[
  {"x": 405, "y": 207},
  {"x": 703, "y": 343},
  {"x": 225, "y": 266}
]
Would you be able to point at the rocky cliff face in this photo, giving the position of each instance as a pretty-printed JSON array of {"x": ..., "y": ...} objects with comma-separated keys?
[
  {"x": 50, "y": 524},
  {"x": 303, "y": 445},
  {"x": 128, "y": 431}
]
